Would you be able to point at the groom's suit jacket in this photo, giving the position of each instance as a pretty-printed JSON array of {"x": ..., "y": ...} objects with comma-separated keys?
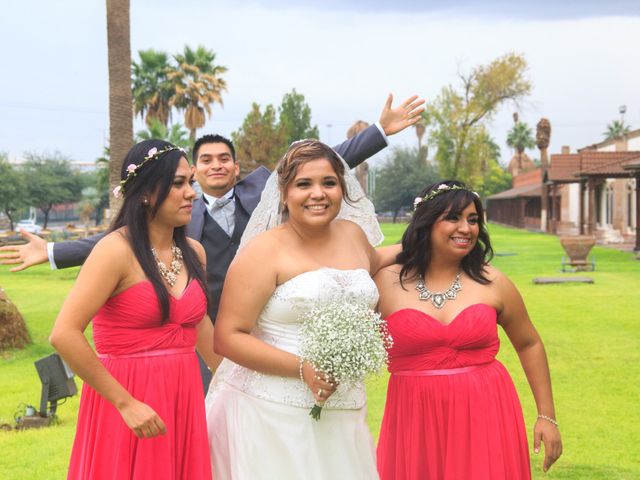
[{"x": 219, "y": 247}]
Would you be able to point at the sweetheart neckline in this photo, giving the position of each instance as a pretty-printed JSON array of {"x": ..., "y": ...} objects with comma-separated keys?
[
  {"x": 147, "y": 281},
  {"x": 320, "y": 269},
  {"x": 442, "y": 324}
]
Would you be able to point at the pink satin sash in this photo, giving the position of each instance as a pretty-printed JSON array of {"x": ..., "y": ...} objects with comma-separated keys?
[
  {"x": 149, "y": 353},
  {"x": 443, "y": 371}
]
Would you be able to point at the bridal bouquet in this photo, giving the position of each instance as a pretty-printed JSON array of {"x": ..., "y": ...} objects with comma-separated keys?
[{"x": 346, "y": 341}]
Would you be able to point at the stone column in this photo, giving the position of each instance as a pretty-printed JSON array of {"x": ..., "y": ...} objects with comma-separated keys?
[
  {"x": 583, "y": 185},
  {"x": 637, "y": 247},
  {"x": 592, "y": 206}
]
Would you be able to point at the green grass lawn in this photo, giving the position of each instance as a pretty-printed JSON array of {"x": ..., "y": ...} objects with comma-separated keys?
[{"x": 591, "y": 333}]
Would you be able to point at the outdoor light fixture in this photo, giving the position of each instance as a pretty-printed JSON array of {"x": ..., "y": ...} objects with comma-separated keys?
[
  {"x": 622, "y": 109},
  {"x": 57, "y": 383}
]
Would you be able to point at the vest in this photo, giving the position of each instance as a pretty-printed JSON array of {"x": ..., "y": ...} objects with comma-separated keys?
[{"x": 220, "y": 252}]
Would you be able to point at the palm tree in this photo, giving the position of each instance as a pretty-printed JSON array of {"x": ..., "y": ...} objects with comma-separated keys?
[
  {"x": 198, "y": 84},
  {"x": 520, "y": 137},
  {"x": 174, "y": 134},
  {"x": 152, "y": 90},
  {"x": 543, "y": 137},
  {"x": 120, "y": 104},
  {"x": 616, "y": 129}
]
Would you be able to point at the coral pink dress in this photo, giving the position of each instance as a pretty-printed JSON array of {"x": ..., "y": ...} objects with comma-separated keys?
[
  {"x": 157, "y": 364},
  {"x": 452, "y": 411}
]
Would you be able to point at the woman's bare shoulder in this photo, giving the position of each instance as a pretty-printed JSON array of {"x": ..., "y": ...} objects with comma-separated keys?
[
  {"x": 115, "y": 242},
  {"x": 198, "y": 248}
]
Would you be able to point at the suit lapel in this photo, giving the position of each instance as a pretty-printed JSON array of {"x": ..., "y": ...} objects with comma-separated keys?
[{"x": 195, "y": 226}]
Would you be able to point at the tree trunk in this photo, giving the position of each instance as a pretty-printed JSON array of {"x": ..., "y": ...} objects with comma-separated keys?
[
  {"x": 45, "y": 212},
  {"x": 13, "y": 330},
  {"x": 10, "y": 217},
  {"x": 120, "y": 103}
]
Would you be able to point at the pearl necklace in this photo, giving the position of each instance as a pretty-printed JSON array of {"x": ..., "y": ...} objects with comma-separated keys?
[
  {"x": 438, "y": 299},
  {"x": 169, "y": 274}
]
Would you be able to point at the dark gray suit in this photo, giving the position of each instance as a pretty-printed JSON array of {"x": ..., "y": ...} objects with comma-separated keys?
[{"x": 220, "y": 248}]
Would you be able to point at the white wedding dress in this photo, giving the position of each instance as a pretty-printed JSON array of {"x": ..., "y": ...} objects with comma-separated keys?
[{"x": 259, "y": 425}]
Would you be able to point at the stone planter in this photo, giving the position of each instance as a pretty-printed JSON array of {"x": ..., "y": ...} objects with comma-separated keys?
[{"x": 578, "y": 248}]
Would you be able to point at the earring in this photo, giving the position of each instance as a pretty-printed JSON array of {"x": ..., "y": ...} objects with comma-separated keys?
[{"x": 145, "y": 201}]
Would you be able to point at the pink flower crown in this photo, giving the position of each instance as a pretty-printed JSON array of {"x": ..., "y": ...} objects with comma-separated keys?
[
  {"x": 132, "y": 169},
  {"x": 442, "y": 188}
]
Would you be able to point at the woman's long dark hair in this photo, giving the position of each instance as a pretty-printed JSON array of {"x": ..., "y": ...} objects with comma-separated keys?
[
  {"x": 154, "y": 177},
  {"x": 417, "y": 251}
]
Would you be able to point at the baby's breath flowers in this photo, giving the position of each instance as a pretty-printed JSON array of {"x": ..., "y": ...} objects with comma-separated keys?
[{"x": 345, "y": 341}]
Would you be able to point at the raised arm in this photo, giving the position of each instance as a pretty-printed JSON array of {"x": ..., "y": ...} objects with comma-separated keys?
[
  {"x": 371, "y": 140},
  {"x": 513, "y": 317},
  {"x": 34, "y": 252}
]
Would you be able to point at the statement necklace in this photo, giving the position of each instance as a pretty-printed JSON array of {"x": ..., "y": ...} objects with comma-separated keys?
[
  {"x": 438, "y": 299},
  {"x": 169, "y": 274}
]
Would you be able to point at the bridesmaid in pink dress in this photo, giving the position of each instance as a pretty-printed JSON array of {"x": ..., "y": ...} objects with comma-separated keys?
[
  {"x": 452, "y": 411},
  {"x": 141, "y": 411}
]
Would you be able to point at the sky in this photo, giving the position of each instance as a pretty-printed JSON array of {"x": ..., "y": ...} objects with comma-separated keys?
[{"x": 343, "y": 56}]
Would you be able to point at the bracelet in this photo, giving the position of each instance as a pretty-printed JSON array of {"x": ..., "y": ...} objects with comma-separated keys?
[
  {"x": 301, "y": 362},
  {"x": 549, "y": 419}
]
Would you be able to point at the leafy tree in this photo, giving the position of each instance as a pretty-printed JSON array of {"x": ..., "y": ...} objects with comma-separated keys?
[
  {"x": 263, "y": 137},
  {"x": 151, "y": 88},
  {"x": 457, "y": 117},
  {"x": 51, "y": 182},
  {"x": 400, "y": 179},
  {"x": 520, "y": 137},
  {"x": 12, "y": 190},
  {"x": 102, "y": 183},
  {"x": 616, "y": 129},
  {"x": 295, "y": 118},
  {"x": 198, "y": 85},
  {"x": 174, "y": 134},
  {"x": 260, "y": 140}
]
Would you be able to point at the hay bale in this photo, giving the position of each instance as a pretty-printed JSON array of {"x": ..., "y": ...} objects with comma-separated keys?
[{"x": 13, "y": 330}]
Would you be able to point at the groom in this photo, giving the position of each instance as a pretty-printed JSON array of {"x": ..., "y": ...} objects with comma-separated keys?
[{"x": 220, "y": 216}]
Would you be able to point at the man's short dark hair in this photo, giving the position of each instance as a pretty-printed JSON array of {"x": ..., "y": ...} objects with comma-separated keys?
[{"x": 211, "y": 139}]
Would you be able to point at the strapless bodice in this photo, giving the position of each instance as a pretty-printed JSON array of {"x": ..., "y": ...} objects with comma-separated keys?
[
  {"x": 131, "y": 321},
  {"x": 420, "y": 342},
  {"x": 279, "y": 325}
]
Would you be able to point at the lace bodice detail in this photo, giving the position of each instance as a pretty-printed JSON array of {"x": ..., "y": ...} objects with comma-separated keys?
[{"x": 279, "y": 325}]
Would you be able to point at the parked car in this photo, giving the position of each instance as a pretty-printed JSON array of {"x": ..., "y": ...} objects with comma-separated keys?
[{"x": 29, "y": 225}]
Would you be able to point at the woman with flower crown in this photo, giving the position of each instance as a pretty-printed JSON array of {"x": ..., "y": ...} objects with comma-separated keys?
[
  {"x": 143, "y": 288},
  {"x": 452, "y": 411}
]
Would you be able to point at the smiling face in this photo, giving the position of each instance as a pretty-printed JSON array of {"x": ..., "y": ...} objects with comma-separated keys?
[
  {"x": 314, "y": 196},
  {"x": 175, "y": 210},
  {"x": 455, "y": 234},
  {"x": 215, "y": 169}
]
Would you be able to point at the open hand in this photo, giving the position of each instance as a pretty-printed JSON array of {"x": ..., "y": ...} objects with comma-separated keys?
[
  {"x": 31, "y": 253},
  {"x": 547, "y": 433},
  {"x": 394, "y": 120},
  {"x": 142, "y": 419},
  {"x": 321, "y": 386}
]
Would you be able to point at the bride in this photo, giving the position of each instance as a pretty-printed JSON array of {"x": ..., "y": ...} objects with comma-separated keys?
[{"x": 307, "y": 250}]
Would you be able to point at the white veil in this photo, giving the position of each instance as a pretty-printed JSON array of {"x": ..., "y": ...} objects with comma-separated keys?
[{"x": 359, "y": 209}]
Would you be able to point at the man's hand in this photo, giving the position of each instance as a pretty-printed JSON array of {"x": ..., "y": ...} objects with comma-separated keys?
[
  {"x": 394, "y": 120},
  {"x": 31, "y": 253}
]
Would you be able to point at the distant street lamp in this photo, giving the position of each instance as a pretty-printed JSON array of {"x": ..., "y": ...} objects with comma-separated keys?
[{"x": 622, "y": 109}]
